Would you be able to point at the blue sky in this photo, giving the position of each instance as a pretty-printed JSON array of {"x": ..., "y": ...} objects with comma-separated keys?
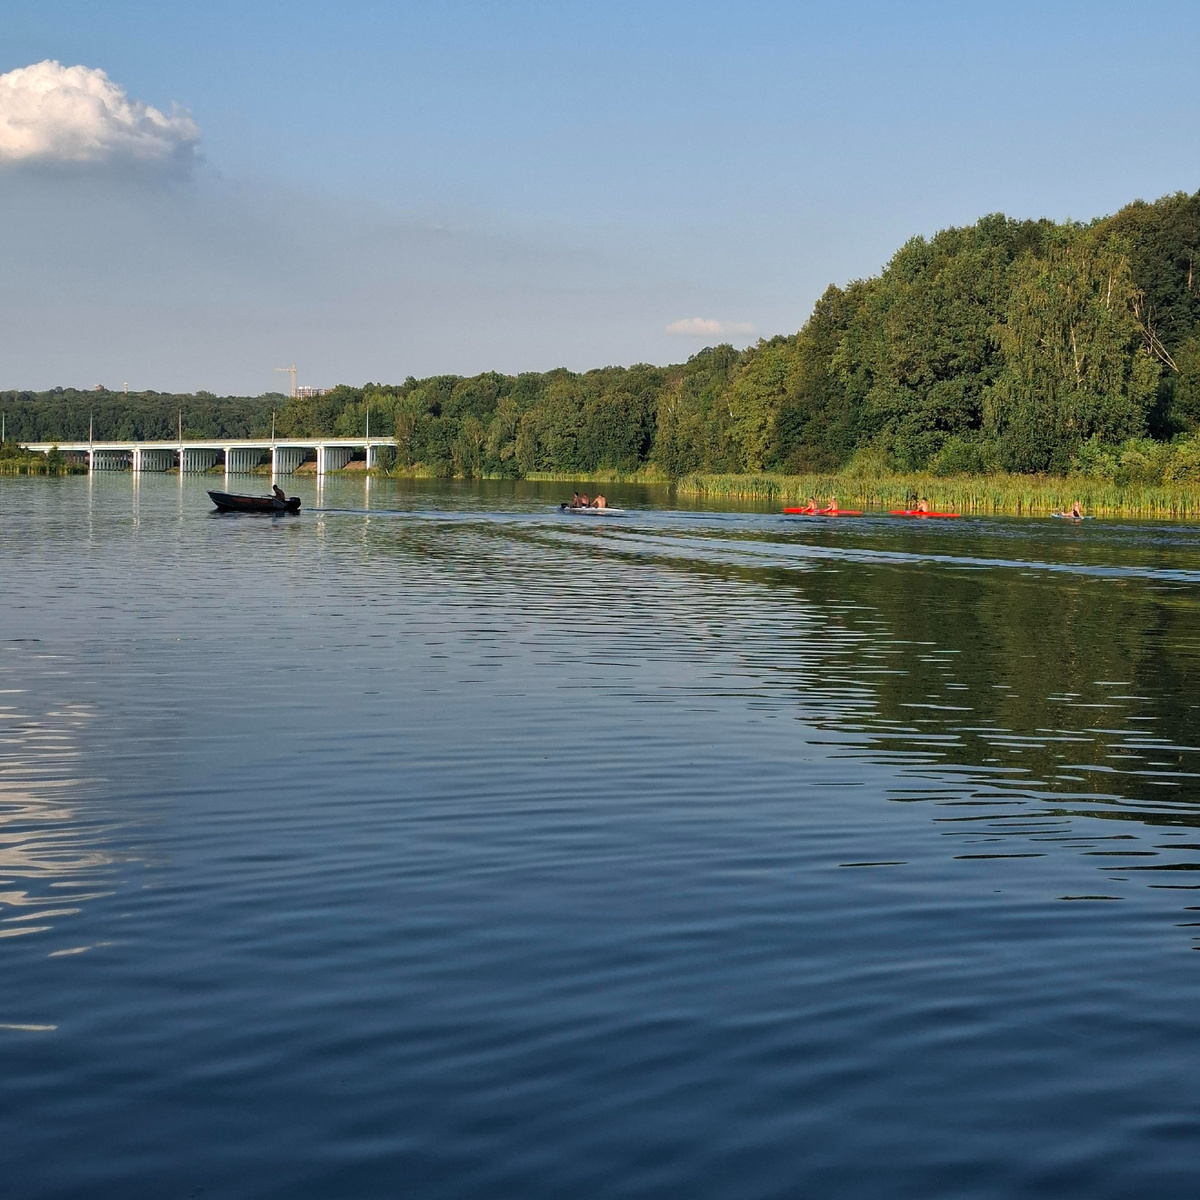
[{"x": 389, "y": 189}]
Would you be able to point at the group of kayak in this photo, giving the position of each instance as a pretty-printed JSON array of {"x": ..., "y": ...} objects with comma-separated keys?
[
  {"x": 923, "y": 509},
  {"x": 814, "y": 509},
  {"x": 579, "y": 502}
]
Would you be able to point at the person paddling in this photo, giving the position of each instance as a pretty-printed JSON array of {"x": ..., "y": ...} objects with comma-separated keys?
[
  {"x": 599, "y": 501},
  {"x": 922, "y": 505},
  {"x": 575, "y": 501},
  {"x": 832, "y": 505}
]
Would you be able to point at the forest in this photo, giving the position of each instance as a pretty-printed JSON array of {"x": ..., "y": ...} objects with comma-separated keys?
[{"x": 1008, "y": 345}]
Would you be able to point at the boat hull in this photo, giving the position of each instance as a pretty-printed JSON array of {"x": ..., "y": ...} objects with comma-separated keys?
[{"x": 229, "y": 502}]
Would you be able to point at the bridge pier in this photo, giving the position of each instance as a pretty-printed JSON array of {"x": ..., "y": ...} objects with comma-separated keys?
[
  {"x": 108, "y": 460},
  {"x": 152, "y": 460},
  {"x": 196, "y": 462},
  {"x": 285, "y": 459},
  {"x": 332, "y": 458},
  {"x": 240, "y": 460}
]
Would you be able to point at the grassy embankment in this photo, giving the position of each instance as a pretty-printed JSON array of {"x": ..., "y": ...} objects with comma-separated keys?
[{"x": 1020, "y": 495}]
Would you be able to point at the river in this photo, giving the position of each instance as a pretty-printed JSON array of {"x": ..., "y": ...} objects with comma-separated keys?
[{"x": 435, "y": 843}]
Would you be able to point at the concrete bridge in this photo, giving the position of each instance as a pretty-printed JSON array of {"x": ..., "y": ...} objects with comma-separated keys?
[{"x": 240, "y": 456}]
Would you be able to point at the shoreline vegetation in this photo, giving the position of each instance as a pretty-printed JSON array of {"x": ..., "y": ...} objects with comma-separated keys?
[
  {"x": 16, "y": 460},
  {"x": 1006, "y": 366},
  {"x": 976, "y": 495},
  {"x": 971, "y": 495}
]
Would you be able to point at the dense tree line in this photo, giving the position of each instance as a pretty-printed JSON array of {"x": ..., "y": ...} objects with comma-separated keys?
[
  {"x": 1015, "y": 345},
  {"x": 66, "y": 414}
]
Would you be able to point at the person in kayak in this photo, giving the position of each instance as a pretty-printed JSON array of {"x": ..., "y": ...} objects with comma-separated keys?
[
  {"x": 812, "y": 505},
  {"x": 832, "y": 505},
  {"x": 923, "y": 505}
]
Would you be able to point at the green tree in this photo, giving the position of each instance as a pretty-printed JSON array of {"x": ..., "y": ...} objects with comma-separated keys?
[
  {"x": 920, "y": 351},
  {"x": 816, "y": 425},
  {"x": 1075, "y": 361}
]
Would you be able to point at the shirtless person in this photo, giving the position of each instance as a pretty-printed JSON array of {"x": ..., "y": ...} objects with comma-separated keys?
[{"x": 599, "y": 501}]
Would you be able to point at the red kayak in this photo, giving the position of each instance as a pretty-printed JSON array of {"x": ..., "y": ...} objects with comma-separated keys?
[
  {"x": 914, "y": 512},
  {"x": 822, "y": 512}
]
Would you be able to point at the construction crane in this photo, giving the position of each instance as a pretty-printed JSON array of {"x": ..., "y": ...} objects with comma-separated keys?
[{"x": 292, "y": 372}]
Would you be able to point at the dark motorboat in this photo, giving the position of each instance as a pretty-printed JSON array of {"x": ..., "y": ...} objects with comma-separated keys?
[{"x": 227, "y": 502}]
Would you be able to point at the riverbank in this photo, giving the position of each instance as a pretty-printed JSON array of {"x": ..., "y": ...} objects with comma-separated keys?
[
  {"x": 644, "y": 475},
  {"x": 1016, "y": 495}
]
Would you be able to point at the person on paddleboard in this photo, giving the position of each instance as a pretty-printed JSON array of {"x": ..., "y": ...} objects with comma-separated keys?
[
  {"x": 575, "y": 501},
  {"x": 1076, "y": 513},
  {"x": 599, "y": 501},
  {"x": 584, "y": 502}
]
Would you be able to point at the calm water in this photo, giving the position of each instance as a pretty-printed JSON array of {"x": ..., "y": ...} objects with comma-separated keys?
[{"x": 437, "y": 844}]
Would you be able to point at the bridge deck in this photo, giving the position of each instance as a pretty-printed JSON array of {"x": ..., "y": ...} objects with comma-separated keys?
[
  {"x": 351, "y": 443},
  {"x": 242, "y": 455}
]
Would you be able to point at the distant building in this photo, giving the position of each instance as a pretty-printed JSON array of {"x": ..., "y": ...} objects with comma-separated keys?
[{"x": 306, "y": 393}]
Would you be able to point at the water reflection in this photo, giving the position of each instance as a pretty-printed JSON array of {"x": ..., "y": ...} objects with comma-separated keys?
[
  {"x": 1031, "y": 709},
  {"x": 692, "y": 849},
  {"x": 54, "y": 855}
]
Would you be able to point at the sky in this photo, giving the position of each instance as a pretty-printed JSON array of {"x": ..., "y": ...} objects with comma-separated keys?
[{"x": 192, "y": 196}]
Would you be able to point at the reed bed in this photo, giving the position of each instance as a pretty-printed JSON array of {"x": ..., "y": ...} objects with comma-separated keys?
[
  {"x": 36, "y": 464},
  {"x": 1018, "y": 495}
]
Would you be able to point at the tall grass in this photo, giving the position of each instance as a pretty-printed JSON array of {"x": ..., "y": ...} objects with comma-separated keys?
[
  {"x": 1022, "y": 495},
  {"x": 38, "y": 464}
]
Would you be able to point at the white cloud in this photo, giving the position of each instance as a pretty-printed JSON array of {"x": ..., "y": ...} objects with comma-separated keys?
[
  {"x": 51, "y": 114},
  {"x": 706, "y": 327}
]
